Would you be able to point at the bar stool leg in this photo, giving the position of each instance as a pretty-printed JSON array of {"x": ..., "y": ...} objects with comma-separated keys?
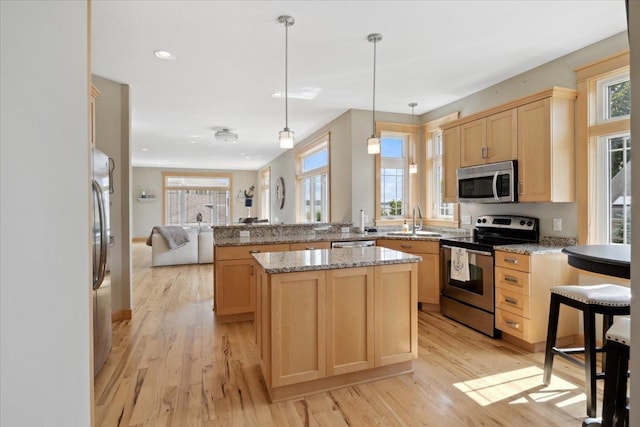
[
  {"x": 590, "y": 360},
  {"x": 552, "y": 330},
  {"x": 607, "y": 322}
]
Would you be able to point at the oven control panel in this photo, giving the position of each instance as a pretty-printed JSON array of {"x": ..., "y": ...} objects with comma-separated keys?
[{"x": 507, "y": 221}]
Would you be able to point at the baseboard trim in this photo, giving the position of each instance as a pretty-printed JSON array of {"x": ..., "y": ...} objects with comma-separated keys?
[
  {"x": 139, "y": 240},
  {"x": 118, "y": 316}
]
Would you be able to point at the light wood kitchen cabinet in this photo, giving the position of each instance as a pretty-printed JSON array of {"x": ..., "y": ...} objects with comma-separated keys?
[
  {"x": 350, "y": 320},
  {"x": 489, "y": 139},
  {"x": 309, "y": 246},
  {"x": 428, "y": 268},
  {"x": 234, "y": 281},
  {"x": 451, "y": 163},
  {"x": 546, "y": 156},
  {"x": 522, "y": 297}
]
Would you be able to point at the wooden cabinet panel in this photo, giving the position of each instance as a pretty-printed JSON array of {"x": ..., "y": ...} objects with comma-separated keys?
[
  {"x": 234, "y": 290},
  {"x": 244, "y": 252},
  {"x": 513, "y": 261},
  {"x": 534, "y": 151},
  {"x": 349, "y": 320},
  {"x": 473, "y": 142},
  {"x": 298, "y": 312},
  {"x": 396, "y": 318},
  {"x": 502, "y": 136},
  {"x": 309, "y": 246},
  {"x": 513, "y": 324},
  {"x": 513, "y": 302},
  {"x": 513, "y": 280},
  {"x": 451, "y": 163},
  {"x": 411, "y": 246}
]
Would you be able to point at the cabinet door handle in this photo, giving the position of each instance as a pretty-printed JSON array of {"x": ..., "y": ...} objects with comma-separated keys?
[
  {"x": 482, "y": 152},
  {"x": 252, "y": 270},
  {"x": 511, "y": 301},
  {"x": 254, "y": 251},
  {"x": 310, "y": 248},
  {"x": 520, "y": 186},
  {"x": 406, "y": 246},
  {"x": 488, "y": 151},
  {"x": 511, "y": 279},
  {"x": 512, "y": 324},
  {"x": 511, "y": 260}
]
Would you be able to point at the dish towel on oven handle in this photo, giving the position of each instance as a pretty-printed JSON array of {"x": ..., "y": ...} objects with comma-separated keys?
[{"x": 459, "y": 265}]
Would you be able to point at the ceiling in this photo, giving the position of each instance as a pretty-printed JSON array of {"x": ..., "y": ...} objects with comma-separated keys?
[{"x": 230, "y": 60}]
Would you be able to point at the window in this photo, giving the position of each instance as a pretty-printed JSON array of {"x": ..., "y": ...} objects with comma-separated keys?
[
  {"x": 604, "y": 151},
  {"x": 393, "y": 176},
  {"x": 265, "y": 193},
  {"x": 189, "y": 197},
  {"x": 438, "y": 212},
  {"x": 396, "y": 189},
  {"x": 312, "y": 178}
]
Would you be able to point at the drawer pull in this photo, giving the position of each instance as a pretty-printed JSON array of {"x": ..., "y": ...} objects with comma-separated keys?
[
  {"x": 512, "y": 324},
  {"x": 311, "y": 248},
  {"x": 511, "y": 260},
  {"x": 510, "y": 300},
  {"x": 406, "y": 246},
  {"x": 511, "y": 279},
  {"x": 254, "y": 251}
]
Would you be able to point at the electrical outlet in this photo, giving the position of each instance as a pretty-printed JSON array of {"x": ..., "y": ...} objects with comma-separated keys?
[
  {"x": 466, "y": 219},
  {"x": 344, "y": 229},
  {"x": 366, "y": 219},
  {"x": 244, "y": 233},
  {"x": 557, "y": 224}
]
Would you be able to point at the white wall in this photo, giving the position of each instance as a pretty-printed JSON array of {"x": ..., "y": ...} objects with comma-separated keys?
[
  {"x": 112, "y": 137},
  {"x": 45, "y": 282},
  {"x": 148, "y": 215}
]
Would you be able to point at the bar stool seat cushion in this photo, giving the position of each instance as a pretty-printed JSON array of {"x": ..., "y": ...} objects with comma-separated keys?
[
  {"x": 620, "y": 331},
  {"x": 607, "y": 294}
]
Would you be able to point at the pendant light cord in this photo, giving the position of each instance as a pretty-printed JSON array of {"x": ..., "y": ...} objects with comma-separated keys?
[
  {"x": 286, "y": 75},
  {"x": 373, "y": 124}
]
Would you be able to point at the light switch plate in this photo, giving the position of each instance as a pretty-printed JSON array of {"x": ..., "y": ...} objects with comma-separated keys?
[
  {"x": 244, "y": 233},
  {"x": 557, "y": 224},
  {"x": 344, "y": 229},
  {"x": 466, "y": 219}
]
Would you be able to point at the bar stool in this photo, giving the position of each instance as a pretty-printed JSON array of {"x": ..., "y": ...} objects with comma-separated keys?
[{"x": 608, "y": 300}]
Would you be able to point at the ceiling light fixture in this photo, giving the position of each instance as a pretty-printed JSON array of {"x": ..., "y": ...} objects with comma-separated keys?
[
  {"x": 306, "y": 94},
  {"x": 286, "y": 135},
  {"x": 226, "y": 135},
  {"x": 413, "y": 167},
  {"x": 373, "y": 143},
  {"x": 163, "y": 54}
]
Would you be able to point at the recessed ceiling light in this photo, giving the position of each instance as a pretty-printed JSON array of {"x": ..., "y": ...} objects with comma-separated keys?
[
  {"x": 163, "y": 54},
  {"x": 193, "y": 142},
  {"x": 144, "y": 149},
  {"x": 242, "y": 154},
  {"x": 307, "y": 93}
]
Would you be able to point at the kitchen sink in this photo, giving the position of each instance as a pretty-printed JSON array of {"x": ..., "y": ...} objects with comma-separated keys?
[{"x": 417, "y": 233}]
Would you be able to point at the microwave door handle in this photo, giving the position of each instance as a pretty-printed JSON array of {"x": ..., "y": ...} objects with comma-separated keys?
[{"x": 495, "y": 186}]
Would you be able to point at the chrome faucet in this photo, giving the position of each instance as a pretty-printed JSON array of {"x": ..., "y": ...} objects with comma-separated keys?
[{"x": 413, "y": 215}]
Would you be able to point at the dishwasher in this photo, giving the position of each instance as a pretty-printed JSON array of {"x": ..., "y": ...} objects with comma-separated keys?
[{"x": 353, "y": 244}]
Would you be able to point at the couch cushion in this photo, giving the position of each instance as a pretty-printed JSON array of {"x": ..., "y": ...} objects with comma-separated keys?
[{"x": 162, "y": 255}]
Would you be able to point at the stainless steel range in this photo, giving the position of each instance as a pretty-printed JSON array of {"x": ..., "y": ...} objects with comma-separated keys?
[{"x": 467, "y": 268}]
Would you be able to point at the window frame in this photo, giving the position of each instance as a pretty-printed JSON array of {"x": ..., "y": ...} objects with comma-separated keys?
[
  {"x": 318, "y": 144},
  {"x": 411, "y": 132},
  {"x": 429, "y": 130},
  {"x": 265, "y": 193},
  {"x": 165, "y": 187},
  {"x": 589, "y": 130}
]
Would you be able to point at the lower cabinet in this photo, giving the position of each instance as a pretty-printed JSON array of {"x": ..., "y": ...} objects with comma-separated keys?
[
  {"x": 522, "y": 297},
  {"x": 318, "y": 329},
  {"x": 428, "y": 268}
]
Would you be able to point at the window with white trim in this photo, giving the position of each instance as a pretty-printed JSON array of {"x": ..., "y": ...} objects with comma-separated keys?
[
  {"x": 441, "y": 210},
  {"x": 193, "y": 199},
  {"x": 312, "y": 178},
  {"x": 394, "y": 172},
  {"x": 265, "y": 193}
]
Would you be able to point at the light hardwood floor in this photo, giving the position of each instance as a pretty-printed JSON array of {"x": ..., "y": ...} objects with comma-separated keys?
[{"x": 174, "y": 365}]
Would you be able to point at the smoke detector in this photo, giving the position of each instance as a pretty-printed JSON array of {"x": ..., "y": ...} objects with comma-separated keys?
[{"x": 225, "y": 135}]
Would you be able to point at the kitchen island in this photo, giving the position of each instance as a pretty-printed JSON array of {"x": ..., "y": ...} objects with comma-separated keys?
[{"x": 329, "y": 318}]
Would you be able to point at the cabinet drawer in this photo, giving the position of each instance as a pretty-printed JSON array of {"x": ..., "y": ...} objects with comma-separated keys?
[
  {"x": 309, "y": 246},
  {"x": 512, "y": 302},
  {"x": 244, "y": 252},
  {"x": 511, "y": 260},
  {"x": 513, "y": 280},
  {"x": 412, "y": 246},
  {"x": 513, "y": 324}
]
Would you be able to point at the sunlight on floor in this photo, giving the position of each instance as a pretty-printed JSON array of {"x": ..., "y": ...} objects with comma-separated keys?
[{"x": 524, "y": 385}]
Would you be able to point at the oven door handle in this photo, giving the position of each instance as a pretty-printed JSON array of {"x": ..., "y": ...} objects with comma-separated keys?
[
  {"x": 471, "y": 251},
  {"x": 495, "y": 186}
]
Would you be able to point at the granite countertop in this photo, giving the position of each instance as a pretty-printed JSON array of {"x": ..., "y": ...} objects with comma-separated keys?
[
  {"x": 329, "y": 259},
  {"x": 546, "y": 245},
  {"x": 320, "y": 237}
]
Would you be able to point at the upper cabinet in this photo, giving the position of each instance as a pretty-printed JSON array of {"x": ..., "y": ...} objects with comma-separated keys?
[{"x": 537, "y": 130}]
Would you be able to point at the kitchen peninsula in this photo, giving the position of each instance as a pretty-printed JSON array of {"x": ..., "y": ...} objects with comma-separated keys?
[{"x": 328, "y": 318}]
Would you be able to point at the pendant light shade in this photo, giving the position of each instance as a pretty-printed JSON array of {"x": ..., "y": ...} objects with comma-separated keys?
[
  {"x": 413, "y": 167},
  {"x": 373, "y": 143},
  {"x": 286, "y": 136}
]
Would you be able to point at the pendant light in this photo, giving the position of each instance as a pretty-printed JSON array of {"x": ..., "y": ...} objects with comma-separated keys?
[
  {"x": 413, "y": 167},
  {"x": 373, "y": 143},
  {"x": 286, "y": 135}
]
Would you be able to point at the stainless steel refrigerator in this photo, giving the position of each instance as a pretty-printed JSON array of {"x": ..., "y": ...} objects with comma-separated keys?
[{"x": 101, "y": 184}]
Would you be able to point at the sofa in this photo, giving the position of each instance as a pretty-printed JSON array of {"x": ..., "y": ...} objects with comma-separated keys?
[{"x": 199, "y": 249}]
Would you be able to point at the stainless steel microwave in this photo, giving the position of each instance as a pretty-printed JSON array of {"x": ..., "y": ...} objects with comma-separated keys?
[{"x": 490, "y": 183}]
